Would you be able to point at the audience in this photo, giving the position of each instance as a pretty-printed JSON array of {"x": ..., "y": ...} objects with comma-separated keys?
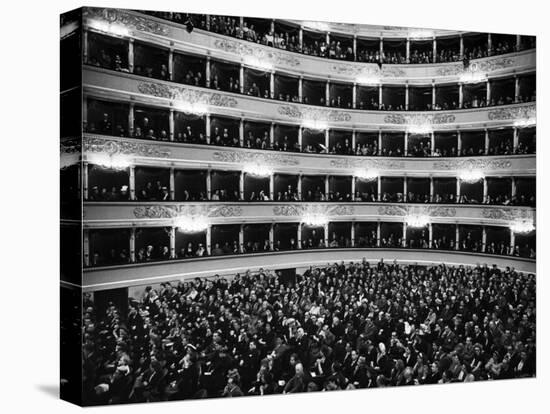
[{"x": 344, "y": 326}]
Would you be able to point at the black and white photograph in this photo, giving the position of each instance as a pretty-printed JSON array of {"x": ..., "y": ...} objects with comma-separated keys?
[
  {"x": 276, "y": 206},
  {"x": 310, "y": 206}
]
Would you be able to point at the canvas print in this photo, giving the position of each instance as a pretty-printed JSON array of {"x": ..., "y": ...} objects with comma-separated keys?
[{"x": 254, "y": 206}]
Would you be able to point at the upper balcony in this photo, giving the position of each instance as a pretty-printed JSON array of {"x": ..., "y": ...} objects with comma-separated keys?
[
  {"x": 487, "y": 55},
  {"x": 125, "y": 87}
]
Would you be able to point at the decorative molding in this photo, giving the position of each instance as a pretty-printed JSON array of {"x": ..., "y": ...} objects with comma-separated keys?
[
  {"x": 350, "y": 163},
  {"x": 130, "y": 21},
  {"x": 111, "y": 147},
  {"x": 473, "y": 164},
  {"x": 419, "y": 119},
  {"x": 476, "y": 66},
  {"x": 301, "y": 210},
  {"x": 191, "y": 96},
  {"x": 367, "y": 70},
  {"x": 173, "y": 211},
  {"x": 263, "y": 54},
  {"x": 313, "y": 114},
  {"x": 242, "y": 157},
  {"x": 508, "y": 214},
  {"x": 517, "y": 112},
  {"x": 431, "y": 211},
  {"x": 71, "y": 146}
]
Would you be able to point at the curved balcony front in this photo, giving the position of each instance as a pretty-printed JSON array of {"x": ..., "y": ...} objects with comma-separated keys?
[
  {"x": 105, "y": 84},
  {"x": 172, "y": 154},
  {"x": 160, "y": 214},
  {"x": 173, "y": 36},
  {"x": 149, "y": 273}
]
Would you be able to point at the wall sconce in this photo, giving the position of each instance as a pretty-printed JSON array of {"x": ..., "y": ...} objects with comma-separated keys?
[
  {"x": 112, "y": 162},
  {"x": 367, "y": 175},
  {"x": 191, "y": 224},
  {"x": 417, "y": 221},
  {"x": 522, "y": 226},
  {"x": 258, "y": 170},
  {"x": 314, "y": 219}
]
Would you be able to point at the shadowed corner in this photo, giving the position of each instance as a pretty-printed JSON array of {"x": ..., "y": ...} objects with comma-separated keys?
[{"x": 49, "y": 389}]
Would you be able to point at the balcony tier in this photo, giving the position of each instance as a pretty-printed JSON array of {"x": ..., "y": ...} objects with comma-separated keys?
[
  {"x": 149, "y": 273},
  {"x": 125, "y": 87},
  {"x": 179, "y": 155},
  {"x": 157, "y": 214},
  {"x": 134, "y": 25}
]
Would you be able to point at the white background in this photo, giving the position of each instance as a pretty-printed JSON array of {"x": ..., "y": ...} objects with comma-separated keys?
[{"x": 29, "y": 356}]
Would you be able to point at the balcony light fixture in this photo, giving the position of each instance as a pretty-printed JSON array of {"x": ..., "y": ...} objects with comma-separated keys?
[
  {"x": 420, "y": 129},
  {"x": 314, "y": 124},
  {"x": 473, "y": 77},
  {"x": 320, "y": 26},
  {"x": 114, "y": 29},
  {"x": 522, "y": 226},
  {"x": 191, "y": 224},
  {"x": 523, "y": 123},
  {"x": 314, "y": 219},
  {"x": 257, "y": 63},
  {"x": 112, "y": 162},
  {"x": 191, "y": 108},
  {"x": 367, "y": 175},
  {"x": 471, "y": 176},
  {"x": 416, "y": 34},
  {"x": 367, "y": 80},
  {"x": 258, "y": 170},
  {"x": 417, "y": 221}
]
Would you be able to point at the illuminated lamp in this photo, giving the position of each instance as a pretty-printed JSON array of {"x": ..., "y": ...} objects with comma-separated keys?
[
  {"x": 257, "y": 63},
  {"x": 367, "y": 175},
  {"x": 418, "y": 221},
  {"x": 421, "y": 34},
  {"x": 195, "y": 108},
  {"x": 367, "y": 80},
  {"x": 258, "y": 170},
  {"x": 471, "y": 176},
  {"x": 112, "y": 28},
  {"x": 314, "y": 124},
  {"x": 314, "y": 219},
  {"x": 191, "y": 224},
  {"x": 473, "y": 77},
  {"x": 113, "y": 162},
  {"x": 420, "y": 129},
  {"x": 522, "y": 123},
  {"x": 523, "y": 226}
]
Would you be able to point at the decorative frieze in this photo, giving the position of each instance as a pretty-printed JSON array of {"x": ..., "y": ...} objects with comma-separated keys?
[
  {"x": 261, "y": 54},
  {"x": 132, "y": 148},
  {"x": 187, "y": 95},
  {"x": 403, "y": 211},
  {"x": 527, "y": 112},
  {"x": 313, "y": 114},
  {"x": 368, "y": 164},
  {"x": 243, "y": 157},
  {"x": 508, "y": 214},
  {"x": 173, "y": 211},
  {"x": 473, "y": 164},
  {"x": 312, "y": 209},
  {"x": 129, "y": 21},
  {"x": 419, "y": 119},
  {"x": 476, "y": 66},
  {"x": 367, "y": 70}
]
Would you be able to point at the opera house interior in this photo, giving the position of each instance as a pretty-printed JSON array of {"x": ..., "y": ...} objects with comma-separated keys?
[{"x": 254, "y": 206}]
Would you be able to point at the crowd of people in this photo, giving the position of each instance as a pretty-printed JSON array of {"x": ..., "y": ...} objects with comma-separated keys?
[
  {"x": 344, "y": 326},
  {"x": 287, "y": 38},
  {"x": 148, "y": 251}
]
